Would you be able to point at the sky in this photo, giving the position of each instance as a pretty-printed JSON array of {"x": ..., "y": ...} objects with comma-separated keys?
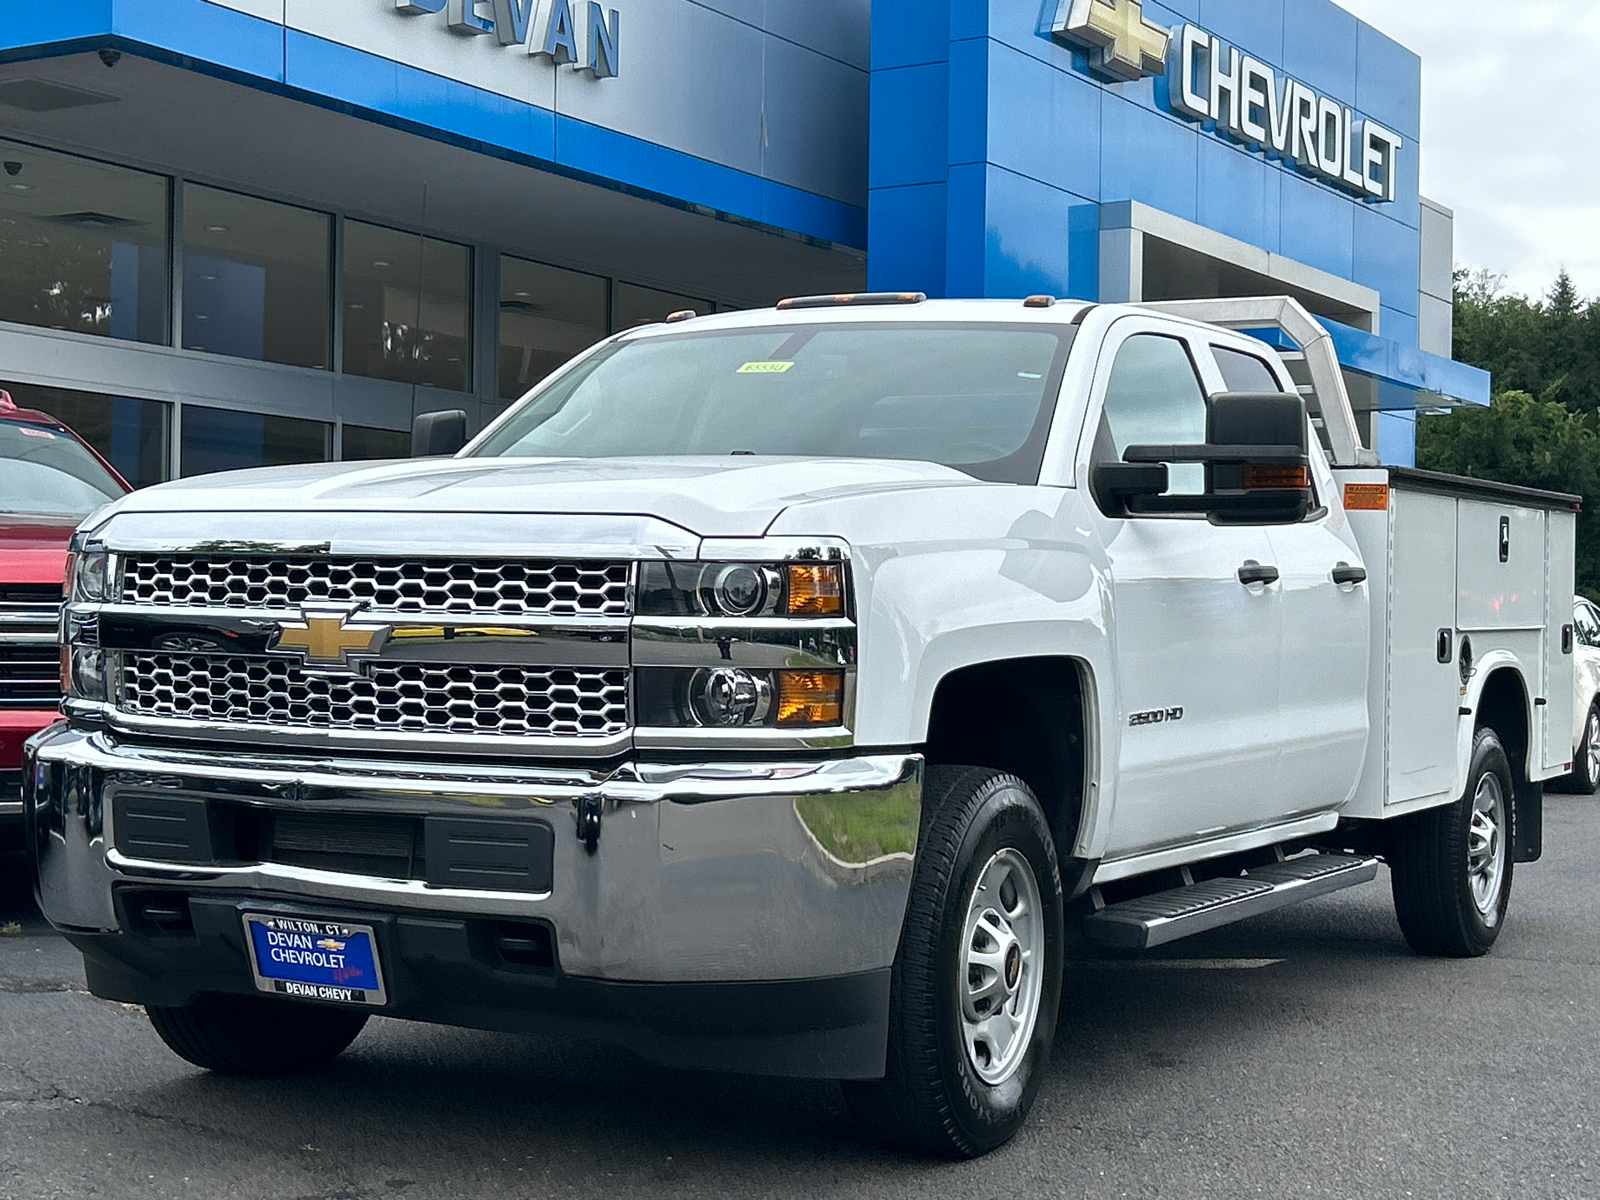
[{"x": 1510, "y": 137}]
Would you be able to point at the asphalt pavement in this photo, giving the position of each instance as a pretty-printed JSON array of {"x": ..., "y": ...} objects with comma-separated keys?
[{"x": 1307, "y": 1053}]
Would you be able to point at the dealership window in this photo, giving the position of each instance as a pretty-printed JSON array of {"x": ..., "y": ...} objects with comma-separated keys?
[
  {"x": 220, "y": 439},
  {"x": 363, "y": 442},
  {"x": 547, "y": 315},
  {"x": 637, "y": 305},
  {"x": 407, "y": 307},
  {"x": 84, "y": 245},
  {"x": 257, "y": 278},
  {"x": 134, "y": 436}
]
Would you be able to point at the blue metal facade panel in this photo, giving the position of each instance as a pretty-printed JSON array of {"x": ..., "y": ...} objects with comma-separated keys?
[
  {"x": 1029, "y": 107},
  {"x": 218, "y": 39}
]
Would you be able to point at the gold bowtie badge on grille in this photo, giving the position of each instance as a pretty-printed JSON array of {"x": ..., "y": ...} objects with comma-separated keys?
[{"x": 330, "y": 639}]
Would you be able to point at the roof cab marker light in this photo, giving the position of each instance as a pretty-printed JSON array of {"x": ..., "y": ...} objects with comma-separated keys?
[
  {"x": 1039, "y": 302},
  {"x": 859, "y": 299},
  {"x": 684, "y": 314}
]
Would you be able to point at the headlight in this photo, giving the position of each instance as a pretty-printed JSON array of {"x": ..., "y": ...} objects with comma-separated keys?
[
  {"x": 88, "y": 576},
  {"x": 737, "y": 698},
  {"x": 83, "y": 674},
  {"x": 741, "y": 590}
]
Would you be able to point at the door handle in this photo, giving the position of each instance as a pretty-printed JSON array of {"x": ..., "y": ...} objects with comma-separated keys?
[
  {"x": 1346, "y": 576},
  {"x": 1253, "y": 573}
]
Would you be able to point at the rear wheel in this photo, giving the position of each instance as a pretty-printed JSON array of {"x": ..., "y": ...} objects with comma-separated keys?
[
  {"x": 977, "y": 980},
  {"x": 1585, "y": 777},
  {"x": 1451, "y": 867},
  {"x": 256, "y": 1035}
]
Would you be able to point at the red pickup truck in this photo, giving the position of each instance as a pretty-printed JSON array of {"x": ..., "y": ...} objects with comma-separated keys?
[{"x": 50, "y": 479}]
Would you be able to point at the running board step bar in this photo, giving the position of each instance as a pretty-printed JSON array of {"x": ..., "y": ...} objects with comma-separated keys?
[{"x": 1167, "y": 916}]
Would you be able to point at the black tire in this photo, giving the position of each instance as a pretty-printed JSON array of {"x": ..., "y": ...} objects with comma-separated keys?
[
  {"x": 256, "y": 1035},
  {"x": 1584, "y": 778},
  {"x": 932, "y": 1099},
  {"x": 1429, "y": 865}
]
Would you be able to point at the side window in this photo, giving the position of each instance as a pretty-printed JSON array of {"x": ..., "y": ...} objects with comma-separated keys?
[
  {"x": 1244, "y": 372},
  {"x": 1588, "y": 628},
  {"x": 1154, "y": 396}
]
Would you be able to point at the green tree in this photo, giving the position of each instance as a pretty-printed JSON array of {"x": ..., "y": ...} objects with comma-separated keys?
[{"x": 1543, "y": 427}]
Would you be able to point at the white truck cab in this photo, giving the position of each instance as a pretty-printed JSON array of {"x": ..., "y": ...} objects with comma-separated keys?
[{"x": 780, "y": 691}]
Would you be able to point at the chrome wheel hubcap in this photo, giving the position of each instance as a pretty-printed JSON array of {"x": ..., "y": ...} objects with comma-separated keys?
[
  {"x": 1591, "y": 748},
  {"x": 1002, "y": 967},
  {"x": 1486, "y": 847}
]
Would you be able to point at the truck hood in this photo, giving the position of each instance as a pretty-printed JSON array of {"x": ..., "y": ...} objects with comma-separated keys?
[
  {"x": 33, "y": 549},
  {"x": 709, "y": 497}
]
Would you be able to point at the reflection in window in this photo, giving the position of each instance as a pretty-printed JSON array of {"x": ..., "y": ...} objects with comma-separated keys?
[
  {"x": 1154, "y": 397},
  {"x": 257, "y": 279},
  {"x": 219, "y": 439},
  {"x": 134, "y": 436},
  {"x": 363, "y": 442},
  {"x": 644, "y": 306},
  {"x": 408, "y": 307},
  {"x": 547, "y": 315},
  {"x": 84, "y": 245}
]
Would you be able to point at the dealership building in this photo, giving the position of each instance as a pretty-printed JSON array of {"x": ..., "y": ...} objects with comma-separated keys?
[{"x": 236, "y": 232}]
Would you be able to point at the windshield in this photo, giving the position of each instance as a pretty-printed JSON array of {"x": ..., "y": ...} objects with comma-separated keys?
[
  {"x": 979, "y": 399},
  {"x": 47, "y": 472}
]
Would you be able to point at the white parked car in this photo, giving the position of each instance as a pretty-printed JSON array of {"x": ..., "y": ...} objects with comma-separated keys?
[{"x": 1585, "y": 777}]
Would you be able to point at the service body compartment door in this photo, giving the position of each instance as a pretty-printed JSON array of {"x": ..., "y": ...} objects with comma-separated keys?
[
  {"x": 1500, "y": 555},
  {"x": 1424, "y": 700},
  {"x": 1561, "y": 713}
]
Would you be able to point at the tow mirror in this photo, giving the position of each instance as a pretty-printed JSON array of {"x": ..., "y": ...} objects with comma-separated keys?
[
  {"x": 1257, "y": 458},
  {"x": 438, "y": 434}
]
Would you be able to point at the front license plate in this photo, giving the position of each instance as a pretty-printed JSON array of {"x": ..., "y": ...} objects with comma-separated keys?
[{"x": 303, "y": 958}]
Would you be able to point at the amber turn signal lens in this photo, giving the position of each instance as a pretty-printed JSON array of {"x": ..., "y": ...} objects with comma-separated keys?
[
  {"x": 815, "y": 590},
  {"x": 1257, "y": 475},
  {"x": 810, "y": 697}
]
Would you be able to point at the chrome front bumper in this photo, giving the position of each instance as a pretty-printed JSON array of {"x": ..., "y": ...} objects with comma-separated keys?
[{"x": 705, "y": 873}]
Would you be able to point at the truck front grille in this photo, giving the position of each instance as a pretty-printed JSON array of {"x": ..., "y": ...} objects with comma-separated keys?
[
  {"x": 30, "y": 655},
  {"x": 542, "y": 587},
  {"x": 398, "y": 698}
]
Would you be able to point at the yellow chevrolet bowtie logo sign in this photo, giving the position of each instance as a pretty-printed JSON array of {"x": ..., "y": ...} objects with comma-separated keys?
[
  {"x": 1122, "y": 45},
  {"x": 330, "y": 639}
]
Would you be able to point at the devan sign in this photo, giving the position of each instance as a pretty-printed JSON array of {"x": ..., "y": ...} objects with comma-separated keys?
[{"x": 578, "y": 33}]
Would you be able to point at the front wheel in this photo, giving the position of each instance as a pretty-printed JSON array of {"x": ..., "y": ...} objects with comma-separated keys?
[
  {"x": 977, "y": 980},
  {"x": 256, "y": 1035},
  {"x": 1451, "y": 867}
]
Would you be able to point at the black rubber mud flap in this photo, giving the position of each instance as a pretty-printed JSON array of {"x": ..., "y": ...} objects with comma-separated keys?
[{"x": 1527, "y": 823}]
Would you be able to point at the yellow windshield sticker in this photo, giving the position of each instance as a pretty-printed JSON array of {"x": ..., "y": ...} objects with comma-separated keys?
[{"x": 765, "y": 368}]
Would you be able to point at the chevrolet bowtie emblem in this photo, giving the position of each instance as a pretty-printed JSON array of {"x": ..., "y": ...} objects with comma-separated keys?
[
  {"x": 330, "y": 639},
  {"x": 1122, "y": 45}
]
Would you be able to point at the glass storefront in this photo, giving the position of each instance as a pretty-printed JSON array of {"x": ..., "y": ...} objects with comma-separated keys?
[
  {"x": 361, "y": 443},
  {"x": 134, "y": 436},
  {"x": 408, "y": 307},
  {"x": 219, "y": 439},
  {"x": 84, "y": 245},
  {"x": 547, "y": 315},
  {"x": 637, "y": 305},
  {"x": 257, "y": 279}
]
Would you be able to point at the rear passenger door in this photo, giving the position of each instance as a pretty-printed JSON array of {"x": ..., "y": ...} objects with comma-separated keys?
[
  {"x": 1323, "y": 715},
  {"x": 1196, "y": 647}
]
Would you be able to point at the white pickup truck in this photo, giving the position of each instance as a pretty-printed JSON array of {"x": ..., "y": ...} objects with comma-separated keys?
[{"x": 781, "y": 691}]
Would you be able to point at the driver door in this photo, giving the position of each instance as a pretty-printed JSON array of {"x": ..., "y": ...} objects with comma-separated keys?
[{"x": 1196, "y": 644}]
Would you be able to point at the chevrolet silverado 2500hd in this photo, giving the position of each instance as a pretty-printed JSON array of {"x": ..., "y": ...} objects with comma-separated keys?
[{"x": 778, "y": 691}]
